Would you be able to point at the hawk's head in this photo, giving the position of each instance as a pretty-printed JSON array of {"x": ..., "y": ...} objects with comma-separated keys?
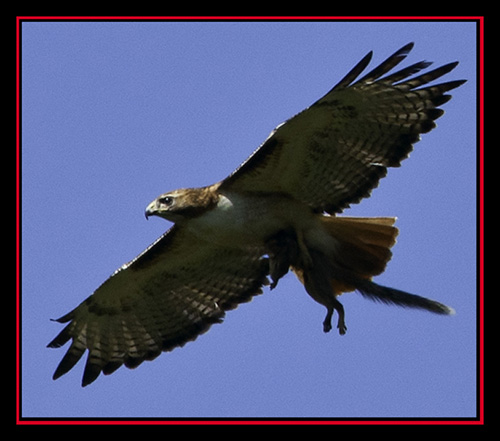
[{"x": 186, "y": 203}]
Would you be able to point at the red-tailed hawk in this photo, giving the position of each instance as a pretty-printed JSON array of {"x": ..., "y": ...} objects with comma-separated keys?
[{"x": 276, "y": 212}]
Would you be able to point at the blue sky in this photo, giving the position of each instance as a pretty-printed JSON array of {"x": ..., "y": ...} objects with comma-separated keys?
[{"x": 116, "y": 113}]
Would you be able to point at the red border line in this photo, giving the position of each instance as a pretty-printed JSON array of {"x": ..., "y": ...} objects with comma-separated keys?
[
  {"x": 478, "y": 421},
  {"x": 252, "y": 17},
  {"x": 481, "y": 217},
  {"x": 18, "y": 222},
  {"x": 269, "y": 422}
]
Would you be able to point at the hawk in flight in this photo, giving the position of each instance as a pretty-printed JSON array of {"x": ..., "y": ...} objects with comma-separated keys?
[{"x": 276, "y": 212}]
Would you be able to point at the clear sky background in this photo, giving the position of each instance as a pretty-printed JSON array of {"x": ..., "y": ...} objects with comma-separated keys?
[{"x": 116, "y": 113}]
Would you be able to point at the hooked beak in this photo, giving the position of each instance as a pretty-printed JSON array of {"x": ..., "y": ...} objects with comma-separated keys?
[{"x": 151, "y": 209}]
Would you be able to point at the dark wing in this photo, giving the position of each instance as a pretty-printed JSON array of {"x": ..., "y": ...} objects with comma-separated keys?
[
  {"x": 335, "y": 152},
  {"x": 167, "y": 296}
]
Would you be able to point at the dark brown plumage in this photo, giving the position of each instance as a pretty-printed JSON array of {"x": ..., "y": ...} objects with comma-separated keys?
[{"x": 275, "y": 212}]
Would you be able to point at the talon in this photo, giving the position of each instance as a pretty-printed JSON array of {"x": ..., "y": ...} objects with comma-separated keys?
[
  {"x": 342, "y": 329},
  {"x": 283, "y": 253},
  {"x": 327, "y": 324},
  {"x": 341, "y": 323}
]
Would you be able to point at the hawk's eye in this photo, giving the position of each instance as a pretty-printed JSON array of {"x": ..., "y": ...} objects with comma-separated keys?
[{"x": 167, "y": 200}]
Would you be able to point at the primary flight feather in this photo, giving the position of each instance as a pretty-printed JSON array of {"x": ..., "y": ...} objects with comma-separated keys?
[{"x": 276, "y": 212}]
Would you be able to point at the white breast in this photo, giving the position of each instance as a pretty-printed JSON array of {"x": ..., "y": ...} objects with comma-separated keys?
[{"x": 241, "y": 220}]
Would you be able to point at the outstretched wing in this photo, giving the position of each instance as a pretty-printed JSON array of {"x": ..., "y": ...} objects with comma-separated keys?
[
  {"x": 335, "y": 152},
  {"x": 167, "y": 296}
]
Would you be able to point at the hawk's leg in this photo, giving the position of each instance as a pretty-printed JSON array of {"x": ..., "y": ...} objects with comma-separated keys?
[
  {"x": 306, "y": 259},
  {"x": 288, "y": 248},
  {"x": 283, "y": 253},
  {"x": 327, "y": 323},
  {"x": 318, "y": 284}
]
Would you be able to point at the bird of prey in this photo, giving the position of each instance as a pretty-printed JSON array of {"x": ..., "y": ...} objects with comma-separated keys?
[{"x": 277, "y": 211}]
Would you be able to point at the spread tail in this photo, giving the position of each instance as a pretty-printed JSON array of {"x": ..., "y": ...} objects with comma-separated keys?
[
  {"x": 363, "y": 247},
  {"x": 362, "y": 250}
]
